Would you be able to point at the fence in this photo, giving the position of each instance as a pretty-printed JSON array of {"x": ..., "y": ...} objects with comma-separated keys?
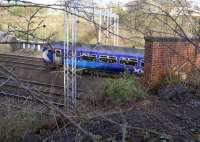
[{"x": 24, "y": 45}]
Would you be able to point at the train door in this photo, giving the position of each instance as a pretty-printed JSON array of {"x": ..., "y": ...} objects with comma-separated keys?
[{"x": 58, "y": 57}]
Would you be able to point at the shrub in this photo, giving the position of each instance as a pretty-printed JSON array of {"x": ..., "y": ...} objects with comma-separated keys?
[
  {"x": 123, "y": 89},
  {"x": 174, "y": 86},
  {"x": 193, "y": 80}
]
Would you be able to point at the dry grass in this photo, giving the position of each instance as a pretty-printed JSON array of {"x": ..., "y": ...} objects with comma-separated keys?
[
  {"x": 175, "y": 85},
  {"x": 18, "y": 125}
]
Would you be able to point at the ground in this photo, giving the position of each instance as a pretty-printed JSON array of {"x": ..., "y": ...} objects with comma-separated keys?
[
  {"x": 147, "y": 120},
  {"x": 168, "y": 114}
]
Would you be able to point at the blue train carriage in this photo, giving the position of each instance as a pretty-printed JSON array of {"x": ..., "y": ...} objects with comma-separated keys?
[
  {"x": 106, "y": 58},
  {"x": 110, "y": 58}
]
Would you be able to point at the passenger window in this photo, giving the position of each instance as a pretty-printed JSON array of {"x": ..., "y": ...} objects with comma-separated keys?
[
  {"x": 93, "y": 57},
  {"x": 129, "y": 61},
  {"x": 122, "y": 61},
  {"x": 58, "y": 53},
  {"x": 132, "y": 61},
  {"x": 113, "y": 59},
  {"x": 88, "y": 57},
  {"x": 103, "y": 58},
  {"x": 108, "y": 59}
]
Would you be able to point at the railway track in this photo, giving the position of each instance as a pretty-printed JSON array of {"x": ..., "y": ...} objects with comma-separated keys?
[
  {"x": 29, "y": 98},
  {"x": 26, "y": 104},
  {"x": 36, "y": 102},
  {"x": 50, "y": 91},
  {"x": 56, "y": 99},
  {"x": 20, "y": 57},
  {"x": 31, "y": 103},
  {"x": 44, "y": 85},
  {"x": 13, "y": 94},
  {"x": 22, "y": 61},
  {"x": 41, "y": 86}
]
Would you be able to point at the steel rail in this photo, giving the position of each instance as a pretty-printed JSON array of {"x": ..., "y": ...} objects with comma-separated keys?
[
  {"x": 23, "y": 63},
  {"x": 21, "y": 57},
  {"x": 36, "y": 82},
  {"x": 22, "y": 109},
  {"x": 45, "y": 91},
  {"x": 27, "y": 67},
  {"x": 2, "y": 93},
  {"x": 36, "y": 63},
  {"x": 41, "y": 83}
]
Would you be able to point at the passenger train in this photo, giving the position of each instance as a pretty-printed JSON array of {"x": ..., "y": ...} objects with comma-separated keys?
[{"x": 98, "y": 57}]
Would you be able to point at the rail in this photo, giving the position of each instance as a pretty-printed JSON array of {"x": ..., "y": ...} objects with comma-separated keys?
[
  {"x": 29, "y": 98},
  {"x": 22, "y": 61}
]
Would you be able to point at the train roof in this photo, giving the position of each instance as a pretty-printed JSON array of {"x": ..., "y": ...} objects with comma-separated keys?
[
  {"x": 111, "y": 52},
  {"x": 102, "y": 48}
]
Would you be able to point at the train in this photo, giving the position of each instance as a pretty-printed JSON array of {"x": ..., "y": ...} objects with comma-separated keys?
[{"x": 97, "y": 57}]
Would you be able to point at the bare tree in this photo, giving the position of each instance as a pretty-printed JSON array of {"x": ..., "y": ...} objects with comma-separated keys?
[
  {"x": 144, "y": 18},
  {"x": 160, "y": 18}
]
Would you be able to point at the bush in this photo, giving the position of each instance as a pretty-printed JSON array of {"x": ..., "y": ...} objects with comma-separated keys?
[
  {"x": 123, "y": 89},
  {"x": 193, "y": 80},
  {"x": 174, "y": 86}
]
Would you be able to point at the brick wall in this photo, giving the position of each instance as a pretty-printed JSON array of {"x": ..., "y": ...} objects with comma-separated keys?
[{"x": 168, "y": 54}]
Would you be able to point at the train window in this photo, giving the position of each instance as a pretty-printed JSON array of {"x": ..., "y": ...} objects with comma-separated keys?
[
  {"x": 112, "y": 59},
  {"x": 58, "y": 53},
  {"x": 128, "y": 61},
  {"x": 132, "y": 61},
  {"x": 122, "y": 60},
  {"x": 88, "y": 57},
  {"x": 142, "y": 62},
  {"x": 84, "y": 54},
  {"x": 108, "y": 59},
  {"x": 103, "y": 58},
  {"x": 93, "y": 57}
]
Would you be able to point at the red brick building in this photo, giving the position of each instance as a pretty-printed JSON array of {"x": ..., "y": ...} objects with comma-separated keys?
[{"x": 169, "y": 54}]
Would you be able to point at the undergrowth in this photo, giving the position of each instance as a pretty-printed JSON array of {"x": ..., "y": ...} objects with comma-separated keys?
[
  {"x": 123, "y": 89},
  {"x": 22, "y": 124},
  {"x": 173, "y": 85}
]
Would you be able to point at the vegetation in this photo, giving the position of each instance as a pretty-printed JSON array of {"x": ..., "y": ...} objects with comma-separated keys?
[
  {"x": 23, "y": 22},
  {"x": 1, "y": 28},
  {"x": 150, "y": 17},
  {"x": 179, "y": 84},
  {"x": 18, "y": 125},
  {"x": 123, "y": 89},
  {"x": 141, "y": 18}
]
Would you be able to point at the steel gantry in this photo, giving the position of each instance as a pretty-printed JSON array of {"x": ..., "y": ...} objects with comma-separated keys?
[{"x": 106, "y": 22}]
